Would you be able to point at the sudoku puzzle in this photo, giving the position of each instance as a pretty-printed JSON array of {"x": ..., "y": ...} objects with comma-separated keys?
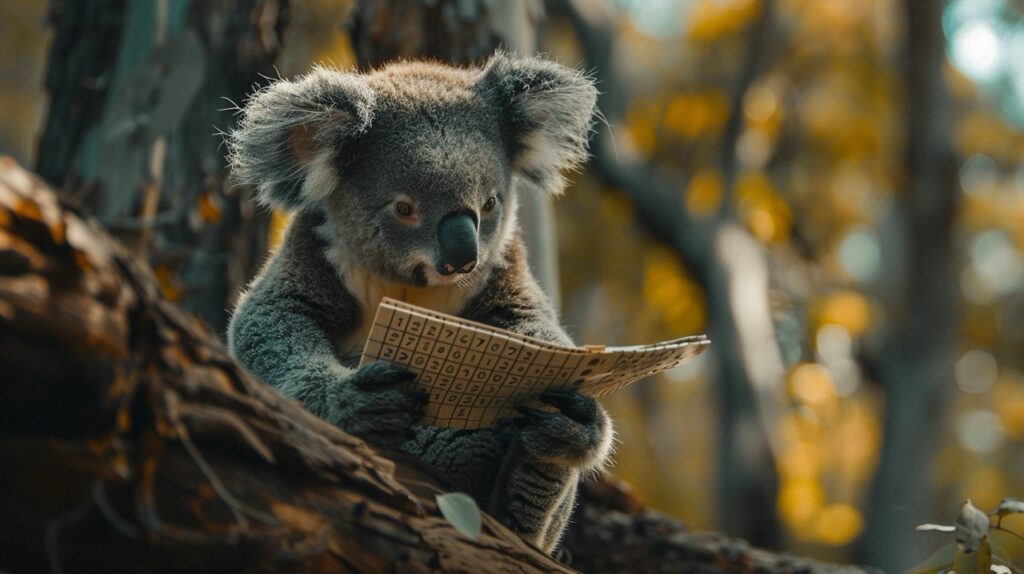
[{"x": 476, "y": 374}]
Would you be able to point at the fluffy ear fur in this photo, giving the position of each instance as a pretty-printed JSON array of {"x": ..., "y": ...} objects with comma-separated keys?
[
  {"x": 289, "y": 131},
  {"x": 548, "y": 111}
]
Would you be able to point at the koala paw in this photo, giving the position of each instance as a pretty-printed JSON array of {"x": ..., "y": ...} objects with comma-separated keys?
[
  {"x": 578, "y": 435},
  {"x": 375, "y": 410}
]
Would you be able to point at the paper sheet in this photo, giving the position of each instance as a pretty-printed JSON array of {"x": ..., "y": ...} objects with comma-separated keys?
[{"x": 476, "y": 374}]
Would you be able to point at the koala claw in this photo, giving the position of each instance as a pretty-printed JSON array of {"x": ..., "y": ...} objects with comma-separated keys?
[
  {"x": 578, "y": 407},
  {"x": 379, "y": 374},
  {"x": 579, "y": 434},
  {"x": 375, "y": 410},
  {"x": 532, "y": 414}
]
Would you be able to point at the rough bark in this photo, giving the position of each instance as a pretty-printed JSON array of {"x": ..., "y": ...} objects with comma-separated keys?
[
  {"x": 132, "y": 442},
  {"x": 137, "y": 89},
  {"x": 614, "y": 533},
  {"x": 916, "y": 368}
]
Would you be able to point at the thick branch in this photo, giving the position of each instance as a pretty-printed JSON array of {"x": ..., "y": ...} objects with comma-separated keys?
[
  {"x": 130, "y": 437},
  {"x": 132, "y": 441}
]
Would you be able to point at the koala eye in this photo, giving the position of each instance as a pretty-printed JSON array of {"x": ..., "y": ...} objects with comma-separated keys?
[
  {"x": 404, "y": 209},
  {"x": 490, "y": 204}
]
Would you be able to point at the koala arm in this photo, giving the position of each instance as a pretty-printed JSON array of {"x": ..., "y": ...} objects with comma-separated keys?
[
  {"x": 278, "y": 340},
  {"x": 284, "y": 331},
  {"x": 536, "y": 487}
]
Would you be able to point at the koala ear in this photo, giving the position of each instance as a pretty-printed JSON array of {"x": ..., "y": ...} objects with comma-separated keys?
[
  {"x": 289, "y": 131},
  {"x": 548, "y": 113}
]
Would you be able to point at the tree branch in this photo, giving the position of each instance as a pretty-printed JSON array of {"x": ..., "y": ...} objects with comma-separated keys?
[{"x": 131, "y": 440}]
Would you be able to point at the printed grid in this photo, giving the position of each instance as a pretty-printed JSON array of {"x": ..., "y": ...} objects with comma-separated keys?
[{"x": 476, "y": 374}]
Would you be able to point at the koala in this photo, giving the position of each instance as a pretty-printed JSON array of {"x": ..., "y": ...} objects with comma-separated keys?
[{"x": 402, "y": 182}]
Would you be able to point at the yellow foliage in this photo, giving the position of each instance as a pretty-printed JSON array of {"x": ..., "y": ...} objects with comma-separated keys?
[
  {"x": 798, "y": 502},
  {"x": 830, "y": 17},
  {"x": 712, "y": 19},
  {"x": 1008, "y": 402},
  {"x": 765, "y": 214},
  {"x": 800, "y": 460},
  {"x": 641, "y": 125},
  {"x": 995, "y": 211},
  {"x": 984, "y": 485},
  {"x": 981, "y": 131},
  {"x": 856, "y": 443},
  {"x": 838, "y": 524},
  {"x": 697, "y": 114},
  {"x": 672, "y": 295},
  {"x": 811, "y": 384},
  {"x": 846, "y": 308},
  {"x": 762, "y": 110},
  {"x": 798, "y": 425},
  {"x": 704, "y": 192}
]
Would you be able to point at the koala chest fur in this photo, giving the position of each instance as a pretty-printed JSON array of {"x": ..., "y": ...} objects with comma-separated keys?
[
  {"x": 369, "y": 289},
  {"x": 403, "y": 183}
]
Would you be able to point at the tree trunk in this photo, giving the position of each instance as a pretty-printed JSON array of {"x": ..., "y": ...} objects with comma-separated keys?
[
  {"x": 917, "y": 367},
  {"x": 145, "y": 448},
  {"x": 137, "y": 90}
]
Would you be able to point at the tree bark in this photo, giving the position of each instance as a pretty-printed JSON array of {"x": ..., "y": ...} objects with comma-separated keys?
[
  {"x": 132, "y": 442},
  {"x": 137, "y": 90},
  {"x": 916, "y": 368}
]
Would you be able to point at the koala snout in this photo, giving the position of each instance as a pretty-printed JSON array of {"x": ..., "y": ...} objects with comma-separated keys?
[{"x": 456, "y": 236}]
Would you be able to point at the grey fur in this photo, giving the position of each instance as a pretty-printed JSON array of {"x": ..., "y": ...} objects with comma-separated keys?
[
  {"x": 333, "y": 106},
  {"x": 341, "y": 149}
]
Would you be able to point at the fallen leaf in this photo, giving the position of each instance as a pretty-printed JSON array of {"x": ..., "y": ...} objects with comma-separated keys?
[{"x": 461, "y": 511}]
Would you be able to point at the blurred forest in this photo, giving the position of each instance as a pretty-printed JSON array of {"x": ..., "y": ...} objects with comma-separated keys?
[{"x": 833, "y": 190}]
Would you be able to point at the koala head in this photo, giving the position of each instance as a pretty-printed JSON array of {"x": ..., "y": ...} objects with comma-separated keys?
[{"x": 414, "y": 165}]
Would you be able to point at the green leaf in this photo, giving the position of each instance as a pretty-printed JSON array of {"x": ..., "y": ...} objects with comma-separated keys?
[{"x": 461, "y": 511}]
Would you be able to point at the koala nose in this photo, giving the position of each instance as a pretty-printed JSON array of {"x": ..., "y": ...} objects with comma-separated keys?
[{"x": 456, "y": 234}]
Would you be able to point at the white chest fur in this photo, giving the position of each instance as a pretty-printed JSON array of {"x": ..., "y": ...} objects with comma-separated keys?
[{"x": 369, "y": 289}]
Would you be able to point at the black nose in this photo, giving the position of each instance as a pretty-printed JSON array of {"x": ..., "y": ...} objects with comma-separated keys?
[{"x": 456, "y": 235}]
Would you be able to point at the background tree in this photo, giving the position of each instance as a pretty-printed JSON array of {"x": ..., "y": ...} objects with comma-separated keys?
[
  {"x": 137, "y": 89},
  {"x": 916, "y": 369}
]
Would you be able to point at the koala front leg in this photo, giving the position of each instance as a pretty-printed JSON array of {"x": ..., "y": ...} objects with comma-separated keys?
[
  {"x": 536, "y": 490},
  {"x": 278, "y": 341}
]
